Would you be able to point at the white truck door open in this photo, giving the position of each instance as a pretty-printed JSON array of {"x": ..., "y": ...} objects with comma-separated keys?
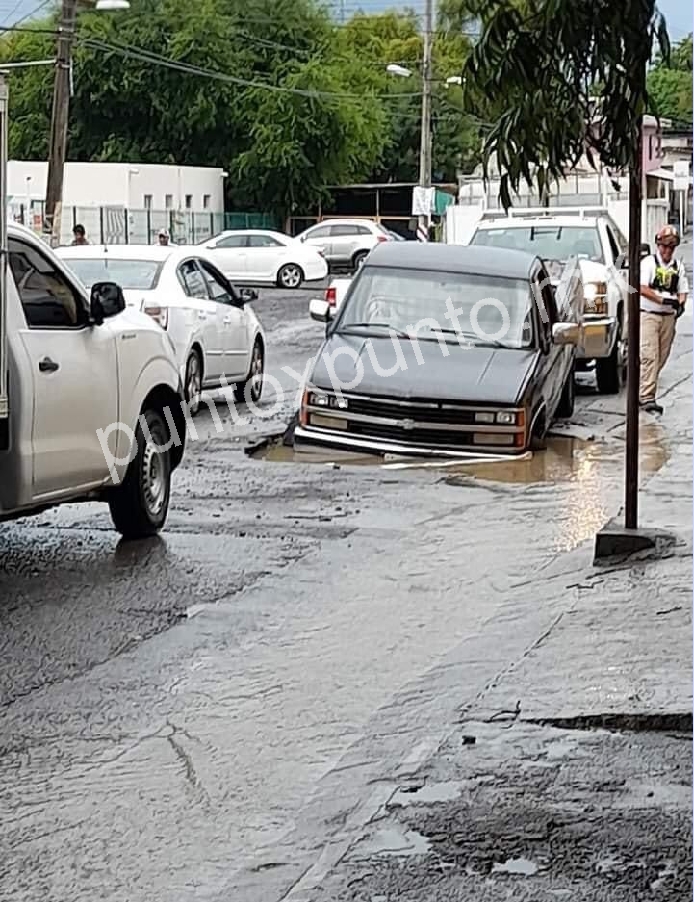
[{"x": 74, "y": 374}]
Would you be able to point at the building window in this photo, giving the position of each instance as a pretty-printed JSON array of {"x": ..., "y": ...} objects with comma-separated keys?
[
  {"x": 189, "y": 201},
  {"x": 169, "y": 201},
  {"x": 147, "y": 201},
  {"x": 206, "y": 201}
]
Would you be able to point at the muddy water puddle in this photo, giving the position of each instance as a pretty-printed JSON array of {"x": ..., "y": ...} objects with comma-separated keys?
[{"x": 565, "y": 460}]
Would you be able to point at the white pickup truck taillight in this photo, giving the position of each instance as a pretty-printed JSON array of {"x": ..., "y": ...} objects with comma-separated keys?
[{"x": 331, "y": 296}]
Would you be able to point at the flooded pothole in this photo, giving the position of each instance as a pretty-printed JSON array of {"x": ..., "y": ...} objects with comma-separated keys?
[{"x": 567, "y": 459}]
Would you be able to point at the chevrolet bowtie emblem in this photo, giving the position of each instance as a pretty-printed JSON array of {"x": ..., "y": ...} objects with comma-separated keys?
[{"x": 408, "y": 424}]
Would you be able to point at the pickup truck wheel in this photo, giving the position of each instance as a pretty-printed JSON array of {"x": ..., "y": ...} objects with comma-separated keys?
[
  {"x": 609, "y": 370},
  {"x": 568, "y": 397},
  {"x": 253, "y": 383},
  {"x": 140, "y": 504},
  {"x": 538, "y": 440},
  {"x": 193, "y": 385}
]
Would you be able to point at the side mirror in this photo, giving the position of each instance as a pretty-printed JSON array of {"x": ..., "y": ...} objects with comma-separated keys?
[
  {"x": 248, "y": 295},
  {"x": 106, "y": 300},
  {"x": 644, "y": 249},
  {"x": 566, "y": 333},
  {"x": 320, "y": 310}
]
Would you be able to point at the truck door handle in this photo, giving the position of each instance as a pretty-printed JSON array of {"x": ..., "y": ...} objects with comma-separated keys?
[
  {"x": 48, "y": 366},
  {"x": 227, "y": 320},
  {"x": 202, "y": 315}
]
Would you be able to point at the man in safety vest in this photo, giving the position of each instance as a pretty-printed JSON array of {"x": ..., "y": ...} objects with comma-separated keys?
[{"x": 664, "y": 290}]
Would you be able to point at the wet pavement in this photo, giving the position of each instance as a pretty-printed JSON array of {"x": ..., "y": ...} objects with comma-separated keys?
[{"x": 183, "y": 718}]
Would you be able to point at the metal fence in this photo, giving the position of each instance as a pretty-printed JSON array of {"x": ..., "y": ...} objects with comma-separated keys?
[{"x": 115, "y": 225}]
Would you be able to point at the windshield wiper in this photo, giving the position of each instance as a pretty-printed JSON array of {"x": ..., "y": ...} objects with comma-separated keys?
[
  {"x": 398, "y": 332},
  {"x": 475, "y": 337}
]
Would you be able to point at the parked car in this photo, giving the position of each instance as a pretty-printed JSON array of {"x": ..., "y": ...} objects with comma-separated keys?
[
  {"x": 416, "y": 385},
  {"x": 556, "y": 234},
  {"x": 96, "y": 401},
  {"x": 345, "y": 242},
  {"x": 216, "y": 334},
  {"x": 261, "y": 255}
]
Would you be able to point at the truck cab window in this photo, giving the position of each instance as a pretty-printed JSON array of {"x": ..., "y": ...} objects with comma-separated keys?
[{"x": 48, "y": 299}]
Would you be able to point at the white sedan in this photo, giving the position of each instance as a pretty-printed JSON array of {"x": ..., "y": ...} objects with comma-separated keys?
[
  {"x": 215, "y": 333},
  {"x": 261, "y": 255}
]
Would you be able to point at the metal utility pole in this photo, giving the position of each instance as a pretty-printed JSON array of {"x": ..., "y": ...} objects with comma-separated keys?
[
  {"x": 634, "y": 336},
  {"x": 425, "y": 146},
  {"x": 59, "y": 123}
]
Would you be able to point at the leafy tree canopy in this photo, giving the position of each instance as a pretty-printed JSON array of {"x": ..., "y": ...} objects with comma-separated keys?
[
  {"x": 298, "y": 103},
  {"x": 544, "y": 58},
  {"x": 670, "y": 86}
]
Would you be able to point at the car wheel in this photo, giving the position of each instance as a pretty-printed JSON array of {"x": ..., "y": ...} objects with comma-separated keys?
[
  {"x": 358, "y": 259},
  {"x": 140, "y": 504},
  {"x": 252, "y": 386},
  {"x": 568, "y": 397},
  {"x": 610, "y": 371},
  {"x": 193, "y": 384},
  {"x": 290, "y": 276}
]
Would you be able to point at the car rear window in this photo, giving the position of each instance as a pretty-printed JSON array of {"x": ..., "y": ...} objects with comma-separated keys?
[{"x": 134, "y": 275}]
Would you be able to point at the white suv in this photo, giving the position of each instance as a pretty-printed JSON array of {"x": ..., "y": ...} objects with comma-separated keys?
[{"x": 345, "y": 242}]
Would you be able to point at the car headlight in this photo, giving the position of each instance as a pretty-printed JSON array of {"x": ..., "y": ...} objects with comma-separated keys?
[
  {"x": 316, "y": 399},
  {"x": 595, "y": 294},
  {"x": 484, "y": 417},
  {"x": 506, "y": 418}
]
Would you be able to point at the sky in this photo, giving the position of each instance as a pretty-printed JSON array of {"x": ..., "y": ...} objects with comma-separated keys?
[{"x": 678, "y": 13}]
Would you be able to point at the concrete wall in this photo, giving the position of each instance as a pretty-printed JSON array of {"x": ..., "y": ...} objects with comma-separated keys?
[{"x": 124, "y": 185}]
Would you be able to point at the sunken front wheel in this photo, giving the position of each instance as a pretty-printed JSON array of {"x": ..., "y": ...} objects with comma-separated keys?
[
  {"x": 140, "y": 504},
  {"x": 290, "y": 276}
]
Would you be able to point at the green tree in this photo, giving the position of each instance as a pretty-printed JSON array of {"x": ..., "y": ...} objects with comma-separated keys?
[
  {"x": 395, "y": 37},
  {"x": 284, "y": 116},
  {"x": 544, "y": 58},
  {"x": 670, "y": 86}
]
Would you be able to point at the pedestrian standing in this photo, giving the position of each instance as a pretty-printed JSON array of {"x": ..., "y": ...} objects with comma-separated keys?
[{"x": 664, "y": 290}]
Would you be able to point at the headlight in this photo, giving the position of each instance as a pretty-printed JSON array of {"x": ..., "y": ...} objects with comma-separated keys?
[
  {"x": 595, "y": 294},
  {"x": 319, "y": 400},
  {"x": 593, "y": 290},
  {"x": 502, "y": 418}
]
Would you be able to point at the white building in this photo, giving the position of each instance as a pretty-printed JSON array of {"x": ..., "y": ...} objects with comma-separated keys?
[
  {"x": 187, "y": 200},
  {"x": 141, "y": 186}
]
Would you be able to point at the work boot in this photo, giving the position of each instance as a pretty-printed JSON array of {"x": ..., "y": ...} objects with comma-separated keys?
[{"x": 651, "y": 407}]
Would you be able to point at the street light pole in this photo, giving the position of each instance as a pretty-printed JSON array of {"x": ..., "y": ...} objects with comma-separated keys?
[
  {"x": 59, "y": 123},
  {"x": 425, "y": 146}
]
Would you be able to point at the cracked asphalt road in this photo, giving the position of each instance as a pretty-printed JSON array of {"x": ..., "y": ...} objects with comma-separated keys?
[{"x": 168, "y": 708}]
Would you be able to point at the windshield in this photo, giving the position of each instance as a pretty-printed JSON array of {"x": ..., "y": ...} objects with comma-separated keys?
[
  {"x": 488, "y": 310},
  {"x": 135, "y": 275},
  {"x": 547, "y": 242}
]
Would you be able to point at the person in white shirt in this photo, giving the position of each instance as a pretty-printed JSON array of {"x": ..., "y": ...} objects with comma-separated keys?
[{"x": 664, "y": 290}]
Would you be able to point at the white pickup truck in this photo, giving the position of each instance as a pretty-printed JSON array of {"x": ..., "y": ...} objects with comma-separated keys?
[
  {"x": 555, "y": 234},
  {"x": 95, "y": 402}
]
